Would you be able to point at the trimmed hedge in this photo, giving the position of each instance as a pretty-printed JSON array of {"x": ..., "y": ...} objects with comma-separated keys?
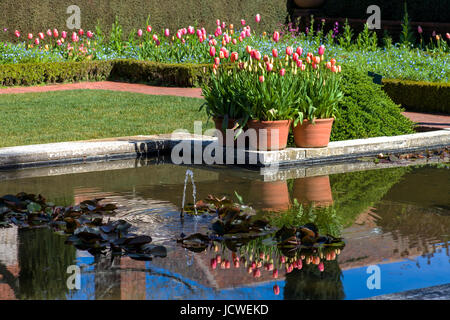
[
  {"x": 51, "y": 72},
  {"x": 367, "y": 111},
  {"x": 38, "y": 16},
  {"x": 182, "y": 75},
  {"x": 419, "y": 96}
]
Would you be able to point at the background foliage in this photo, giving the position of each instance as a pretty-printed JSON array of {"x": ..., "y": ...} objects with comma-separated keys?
[{"x": 418, "y": 10}]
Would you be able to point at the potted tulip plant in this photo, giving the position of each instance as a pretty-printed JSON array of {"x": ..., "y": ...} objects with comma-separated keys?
[
  {"x": 262, "y": 91},
  {"x": 320, "y": 92}
]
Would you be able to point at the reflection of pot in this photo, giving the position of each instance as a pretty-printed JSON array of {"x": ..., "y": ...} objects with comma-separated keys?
[
  {"x": 270, "y": 196},
  {"x": 313, "y": 189},
  {"x": 309, "y": 3}
]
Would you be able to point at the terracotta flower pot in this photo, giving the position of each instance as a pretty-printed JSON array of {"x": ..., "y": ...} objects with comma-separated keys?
[
  {"x": 317, "y": 135},
  {"x": 315, "y": 190},
  {"x": 218, "y": 123},
  {"x": 309, "y": 3},
  {"x": 274, "y": 137},
  {"x": 270, "y": 196}
]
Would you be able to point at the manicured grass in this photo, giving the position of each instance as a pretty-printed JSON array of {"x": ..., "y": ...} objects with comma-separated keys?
[{"x": 33, "y": 118}]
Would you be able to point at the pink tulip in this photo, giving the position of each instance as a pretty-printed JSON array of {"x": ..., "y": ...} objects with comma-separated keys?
[
  {"x": 447, "y": 35},
  {"x": 433, "y": 34},
  {"x": 303, "y": 68},
  {"x": 81, "y": 32},
  {"x": 191, "y": 30},
  {"x": 167, "y": 32},
  {"x": 321, "y": 267},
  {"x": 269, "y": 67},
  {"x": 55, "y": 33},
  {"x": 243, "y": 22},
  {"x": 257, "y": 55},
  {"x": 224, "y": 25},
  {"x": 17, "y": 33},
  {"x": 234, "y": 41},
  {"x": 64, "y": 34},
  {"x": 321, "y": 50},
  {"x": 149, "y": 28},
  {"x": 419, "y": 30},
  {"x": 248, "y": 32},
  {"x": 289, "y": 51},
  {"x": 261, "y": 79},
  {"x": 41, "y": 35},
  {"x": 218, "y": 22},
  {"x": 276, "y": 289},
  {"x": 258, "y": 18},
  {"x": 49, "y": 32},
  {"x": 30, "y": 36},
  {"x": 282, "y": 72},
  {"x": 59, "y": 43},
  {"x": 334, "y": 69},
  {"x": 299, "y": 51},
  {"x": 74, "y": 37},
  {"x": 36, "y": 41},
  {"x": 89, "y": 34},
  {"x": 212, "y": 51},
  {"x": 179, "y": 35},
  {"x": 155, "y": 37},
  {"x": 257, "y": 272},
  {"x": 216, "y": 60},
  {"x": 328, "y": 65},
  {"x": 234, "y": 56},
  {"x": 274, "y": 53},
  {"x": 276, "y": 36},
  {"x": 213, "y": 264},
  {"x": 299, "y": 63},
  {"x": 295, "y": 56},
  {"x": 275, "y": 273},
  {"x": 139, "y": 33}
]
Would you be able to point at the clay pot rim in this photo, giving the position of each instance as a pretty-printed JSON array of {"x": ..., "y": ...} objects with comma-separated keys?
[
  {"x": 270, "y": 122},
  {"x": 321, "y": 120}
]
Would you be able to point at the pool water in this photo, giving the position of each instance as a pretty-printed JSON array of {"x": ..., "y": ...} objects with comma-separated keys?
[{"x": 395, "y": 223}]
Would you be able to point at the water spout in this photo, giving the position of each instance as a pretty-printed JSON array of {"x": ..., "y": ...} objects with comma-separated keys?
[{"x": 189, "y": 173}]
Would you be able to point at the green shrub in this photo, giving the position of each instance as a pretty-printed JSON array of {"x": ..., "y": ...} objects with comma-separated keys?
[
  {"x": 182, "y": 75},
  {"x": 366, "y": 110},
  {"x": 38, "y": 16},
  {"x": 419, "y": 96},
  {"x": 51, "y": 72}
]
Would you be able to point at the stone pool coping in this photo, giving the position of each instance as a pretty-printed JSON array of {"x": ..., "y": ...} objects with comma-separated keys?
[{"x": 130, "y": 147}]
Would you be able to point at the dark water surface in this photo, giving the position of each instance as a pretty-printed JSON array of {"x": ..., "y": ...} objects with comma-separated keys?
[{"x": 397, "y": 219}]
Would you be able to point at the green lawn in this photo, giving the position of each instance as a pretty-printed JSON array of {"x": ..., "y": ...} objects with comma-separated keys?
[{"x": 33, "y": 118}]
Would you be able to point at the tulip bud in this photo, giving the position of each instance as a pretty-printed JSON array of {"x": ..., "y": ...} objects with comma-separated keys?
[
  {"x": 321, "y": 50},
  {"x": 217, "y": 60},
  {"x": 167, "y": 32},
  {"x": 139, "y": 33},
  {"x": 243, "y": 22},
  {"x": 419, "y": 29},
  {"x": 212, "y": 51},
  {"x": 17, "y": 33},
  {"x": 30, "y": 36},
  {"x": 299, "y": 51},
  {"x": 276, "y": 289},
  {"x": 275, "y": 273},
  {"x": 41, "y": 35},
  {"x": 81, "y": 32},
  {"x": 258, "y": 18},
  {"x": 36, "y": 41},
  {"x": 447, "y": 35},
  {"x": 213, "y": 264},
  {"x": 282, "y": 72},
  {"x": 276, "y": 36},
  {"x": 269, "y": 67},
  {"x": 289, "y": 51},
  {"x": 321, "y": 267}
]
